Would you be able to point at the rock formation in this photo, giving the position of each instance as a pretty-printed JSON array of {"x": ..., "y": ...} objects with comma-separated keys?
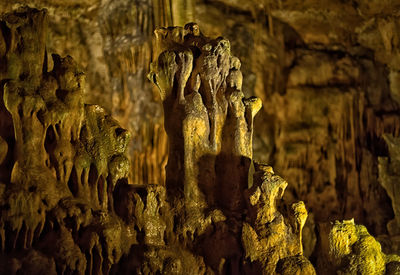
[
  {"x": 210, "y": 126},
  {"x": 69, "y": 200},
  {"x": 349, "y": 249},
  {"x": 62, "y": 161},
  {"x": 327, "y": 73},
  {"x": 388, "y": 178},
  {"x": 66, "y": 202}
]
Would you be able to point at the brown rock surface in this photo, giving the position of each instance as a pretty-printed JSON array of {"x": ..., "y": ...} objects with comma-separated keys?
[
  {"x": 63, "y": 162},
  {"x": 210, "y": 125},
  {"x": 68, "y": 204},
  {"x": 347, "y": 248},
  {"x": 326, "y": 73},
  {"x": 329, "y": 89}
]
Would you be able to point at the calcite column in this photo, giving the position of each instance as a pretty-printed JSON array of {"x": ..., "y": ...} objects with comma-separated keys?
[
  {"x": 210, "y": 182},
  {"x": 23, "y": 57},
  {"x": 64, "y": 158},
  {"x": 207, "y": 119}
]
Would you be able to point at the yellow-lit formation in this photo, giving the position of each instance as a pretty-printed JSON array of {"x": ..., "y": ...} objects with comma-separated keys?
[{"x": 68, "y": 201}]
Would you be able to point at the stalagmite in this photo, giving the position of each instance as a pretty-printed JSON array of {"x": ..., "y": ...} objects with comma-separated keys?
[
  {"x": 67, "y": 159},
  {"x": 210, "y": 127},
  {"x": 70, "y": 200},
  {"x": 348, "y": 248}
]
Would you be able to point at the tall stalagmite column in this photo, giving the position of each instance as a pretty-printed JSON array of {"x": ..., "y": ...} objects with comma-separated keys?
[
  {"x": 61, "y": 162},
  {"x": 210, "y": 183},
  {"x": 207, "y": 119}
]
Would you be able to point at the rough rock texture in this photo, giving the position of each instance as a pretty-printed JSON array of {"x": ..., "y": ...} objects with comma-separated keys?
[
  {"x": 66, "y": 203},
  {"x": 389, "y": 176},
  {"x": 327, "y": 73},
  {"x": 62, "y": 161},
  {"x": 266, "y": 237},
  {"x": 349, "y": 249},
  {"x": 71, "y": 202},
  {"x": 210, "y": 126},
  {"x": 111, "y": 41}
]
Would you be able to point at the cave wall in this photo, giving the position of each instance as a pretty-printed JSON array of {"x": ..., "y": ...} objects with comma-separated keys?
[
  {"x": 68, "y": 205},
  {"x": 76, "y": 198},
  {"x": 327, "y": 74}
]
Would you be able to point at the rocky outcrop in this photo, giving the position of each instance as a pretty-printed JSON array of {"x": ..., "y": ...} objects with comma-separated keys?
[{"x": 270, "y": 239}]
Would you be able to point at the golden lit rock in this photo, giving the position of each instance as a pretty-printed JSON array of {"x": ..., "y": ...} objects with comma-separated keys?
[{"x": 77, "y": 198}]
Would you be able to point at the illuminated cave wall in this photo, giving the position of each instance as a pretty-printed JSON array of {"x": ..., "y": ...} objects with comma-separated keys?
[{"x": 327, "y": 73}]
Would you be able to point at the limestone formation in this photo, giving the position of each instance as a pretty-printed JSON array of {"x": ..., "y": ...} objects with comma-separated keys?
[
  {"x": 389, "y": 175},
  {"x": 66, "y": 202},
  {"x": 71, "y": 203},
  {"x": 349, "y": 249},
  {"x": 327, "y": 73},
  {"x": 210, "y": 125},
  {"x": 267, "y": 238},
  {"x": 62, "y": 161}
]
